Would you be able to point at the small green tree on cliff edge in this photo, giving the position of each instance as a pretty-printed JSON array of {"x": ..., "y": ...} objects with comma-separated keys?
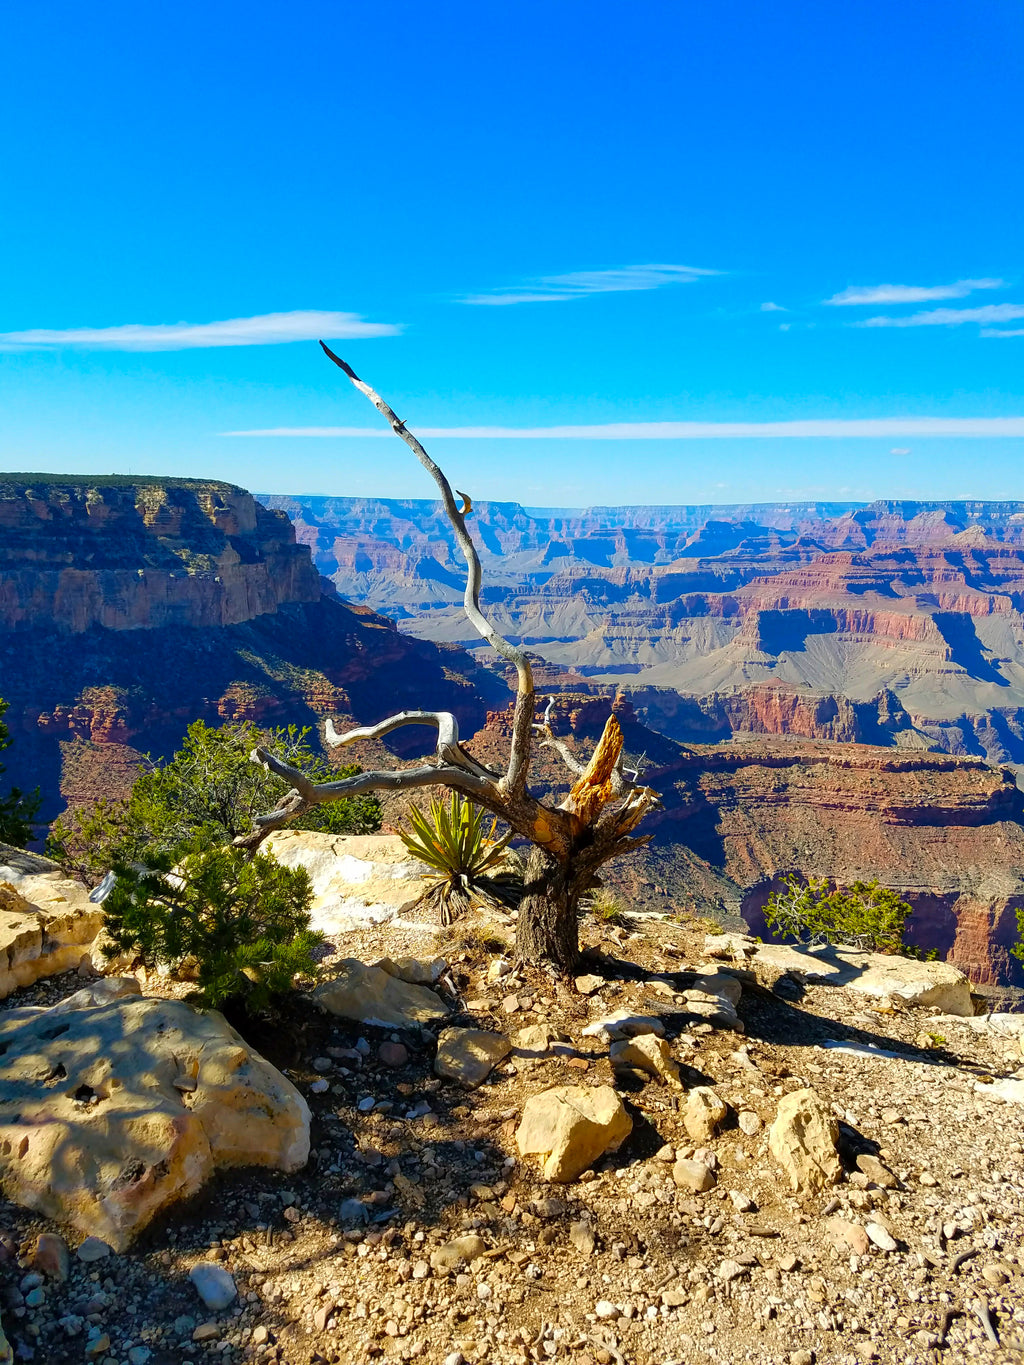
[{"x": 18, "y": 809}]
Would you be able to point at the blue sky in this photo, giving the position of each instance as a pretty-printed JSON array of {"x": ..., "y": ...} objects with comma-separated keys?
[{"x": 524, "y": 217}]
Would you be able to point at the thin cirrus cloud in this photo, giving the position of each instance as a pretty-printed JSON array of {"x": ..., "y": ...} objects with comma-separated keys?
[
  {"x": 269, "y": 329},
  {"x": 858, "y": 295},
  {"x": 952, "y": 317},
  {"x": 581, "y": 283},
  {"x": 694, "y": 431}
]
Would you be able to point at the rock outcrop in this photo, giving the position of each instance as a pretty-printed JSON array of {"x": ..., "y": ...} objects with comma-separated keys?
[
  {"x": 108, "y": 1115},
  {"x": 47, "y": 922}
]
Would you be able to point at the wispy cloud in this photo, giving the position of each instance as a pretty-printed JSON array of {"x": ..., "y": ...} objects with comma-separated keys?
[
  {"x": 841, "y": 428},
  {"x": 909, "y": 293},
  {"x": 270, "y": 329},
  {"x": 1002, "y": 331},
  {"x": 900, "y": 450},
  {"x": 580, "y": 283},
  {"x": 773, "y": 308},
  {"x": 949, "y": 317}
]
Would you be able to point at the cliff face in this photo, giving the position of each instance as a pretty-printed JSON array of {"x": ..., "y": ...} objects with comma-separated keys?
[
  {"x": 861, "y": 612},
  {"x": 130, "y": 609},
  {"x": 74, "y": 555},
  {"x": 738, "y": 817}
]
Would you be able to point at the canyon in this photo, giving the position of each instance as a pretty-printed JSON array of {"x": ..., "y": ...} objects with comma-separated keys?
[
  {"x": 131, "y": 607},
  {"x": 898, "y": 623}
]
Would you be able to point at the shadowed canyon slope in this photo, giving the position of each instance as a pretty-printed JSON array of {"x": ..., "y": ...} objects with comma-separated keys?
[
  {"x": 739, "y": 816},
  {"x": 896, "y": 624},
  {"x": 131, "y": 608}
]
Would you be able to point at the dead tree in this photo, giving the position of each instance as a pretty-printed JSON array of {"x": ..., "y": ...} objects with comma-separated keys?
[{"x": 570, "y": 841}]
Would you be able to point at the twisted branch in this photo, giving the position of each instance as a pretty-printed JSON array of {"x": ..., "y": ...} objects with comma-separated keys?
[
  {"x": 514, "y": 780},
  {"x": 448, "y": 750}
]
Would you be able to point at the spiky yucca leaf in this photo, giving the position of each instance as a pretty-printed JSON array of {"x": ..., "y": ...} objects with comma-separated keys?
[{"x": 469, "y": 863}]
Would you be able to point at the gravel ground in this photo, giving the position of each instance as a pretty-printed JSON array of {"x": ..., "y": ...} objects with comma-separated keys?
[{"x": 350, "y": 1260}]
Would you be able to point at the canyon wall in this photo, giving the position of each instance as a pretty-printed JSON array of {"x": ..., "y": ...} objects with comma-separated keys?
[
  {"x": 738, "y": 817},
  {"x": 900, "y": 623},
  {"x": 130, "y": 608}
]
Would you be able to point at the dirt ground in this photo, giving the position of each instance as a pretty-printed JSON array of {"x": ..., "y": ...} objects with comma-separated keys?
[{"x": 620, "y": 1266}]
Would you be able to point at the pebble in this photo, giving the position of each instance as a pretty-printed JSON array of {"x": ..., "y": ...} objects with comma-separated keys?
[
  {"x": 788, "y": 1262},
  {"x": 693, "y": 1175},
  {"x": 801, "y": 1358},
  {"x": 581, "y": 1235},
  {"x": 35, "y": 1298},
  {"x": 882, "y": 1239},
  {"x": 741, "y": 1202},
  {"x": 320, "y": 1087},
  {"x": 139, "y": 1355},
  {"x": 50, "y": 1255},
  {"x": 97, "y": 1346},
  {"x": 213, "y": 1284},
  {"x": 366, "y": 1104},
  {"x": 587, "y": 985},
  {"x": 393, "y": 1055},
  {"x": 995, "y": 1275},
  {"x": 605, "y": 1309},
  {"x": 93, "y": 1249},
  {"x": 749, "y": 1122}
]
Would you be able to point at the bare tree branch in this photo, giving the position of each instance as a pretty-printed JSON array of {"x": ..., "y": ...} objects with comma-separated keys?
[
  {"x": 519, "y": 756},
  {"x": 552, "y": 742},
  {"x": 448, "y": 747},
  {"x": 304, "y": 794}
]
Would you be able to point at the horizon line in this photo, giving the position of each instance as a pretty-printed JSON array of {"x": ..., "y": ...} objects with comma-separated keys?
[{"x": 837, "y": 428}]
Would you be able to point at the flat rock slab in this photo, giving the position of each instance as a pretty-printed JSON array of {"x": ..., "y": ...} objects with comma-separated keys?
[
  {"x": 47, "y": 922},
  {"x": 624, "y": 1023},
  {"x": 94, "y": 1130},
  {"x": 469, "y": 1055},
  {"x": 370, "y": 995},
  {"x": 877, "y": 975},
  {"x": 358, "y": 879}
]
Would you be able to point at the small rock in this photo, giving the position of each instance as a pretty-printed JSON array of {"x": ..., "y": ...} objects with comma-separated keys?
[
  {"x": 97, "y": 1346},
  {"x": 995, "y": 1275},
  {"x": 366, "y": 1104},
  {"x": 393, "y": 1055},
  {"x": 353, "y": 1212},
  {"x": 468, "y": 1055},
  {"x": 455, "y": 1358},
  {"x": 139, "y": 1355},
  {"x": 804, "y": 1357},
  {"x": 604, "y": 1309},
  {"x": 787, "y": 1262},
  {"x": 624, "y": 1023},
  {"x": 581, "y": 1235},
  {"x": 647, "y": 1053},
  {"x": 570, "y": 1126},
  {"x": 35, "y": 1298},
  {"x": 466, "y": 1249},
  {"x": 882, "y": 1239},
  {"x": 206, "y": 1331},
  {"x": 730, "y": 1270},
  {"x": 749, "y": 1122},
  {"x": 693, "y": 1175},
  {"x": 499, "y": 967},
  {"x": 548, "y": 1208},
  {"x": 587, "y": 985},
  {"x": 852, "y": 1234},
  {"x": 804, "y": 1141},
  {"x": 322, "y": 1063},
  {"x": 319, "y": 1087},
  {"x": 213, "y": 1284},
  {"x": 703, "y": 1113},
  {"x": 741, "y": 1202},
  {"x": 50, "y": 1255},
  {"x": 876, "y": 1171},
  {"x": 93, "y": 1249}
]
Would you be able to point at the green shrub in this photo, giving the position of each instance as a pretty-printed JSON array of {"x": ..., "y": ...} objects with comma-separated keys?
[
  {"x": 864, "y": 915},
  {"x": 210, "y": 791},
  {"x": 469, "y": 864},
  {"x": 241, "y": 925},
  {"x": 18, "y": 809}
]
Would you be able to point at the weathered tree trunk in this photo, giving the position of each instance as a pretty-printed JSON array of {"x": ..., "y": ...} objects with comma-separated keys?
[
  {"x": 571, "y": 840},
  {"x": 547, "y": 929}
]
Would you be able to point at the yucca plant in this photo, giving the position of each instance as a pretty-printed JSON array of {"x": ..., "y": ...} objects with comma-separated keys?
[{"x": 470, "y": 865}]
